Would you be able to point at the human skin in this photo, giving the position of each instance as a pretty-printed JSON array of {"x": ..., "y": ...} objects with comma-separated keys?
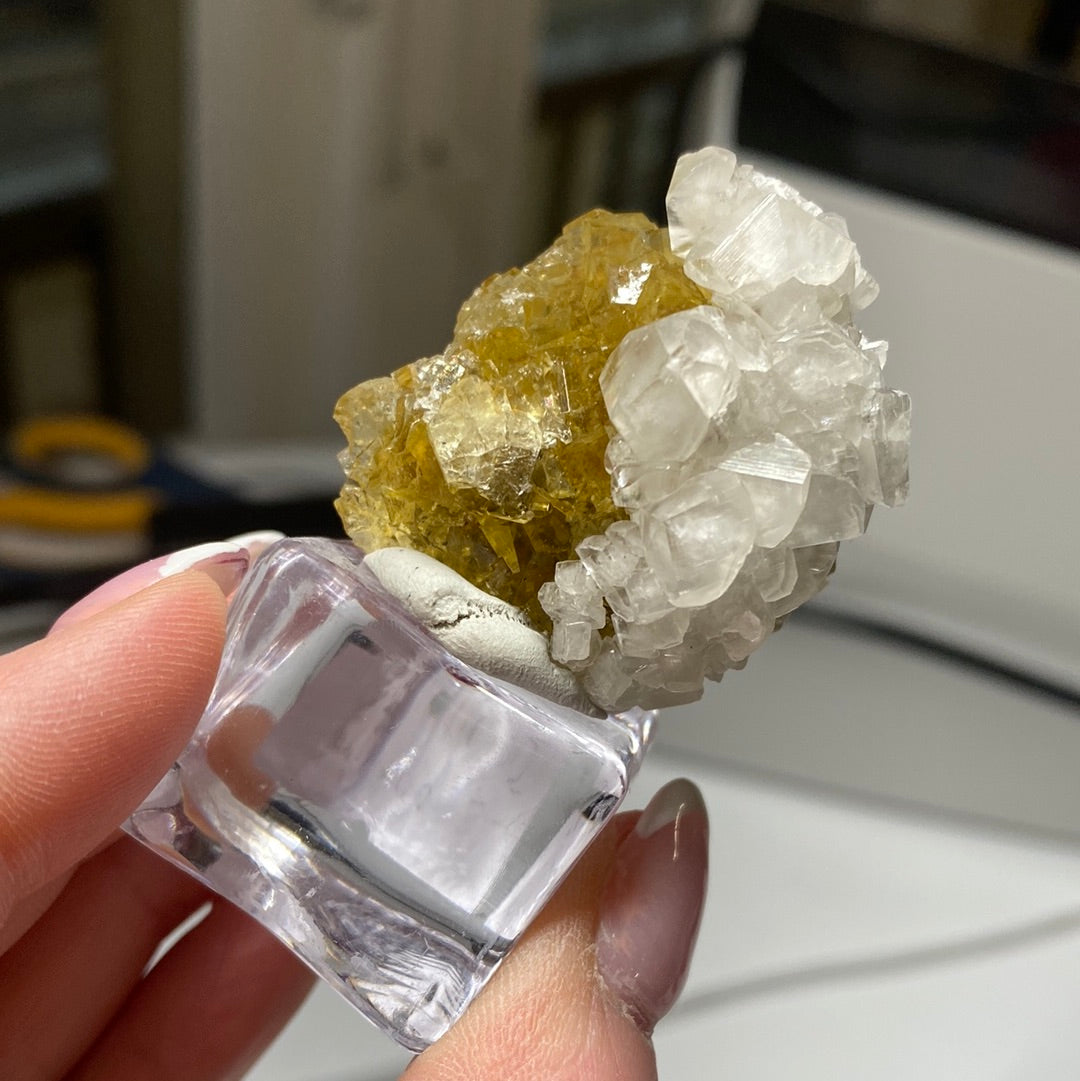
[{"x": 93, "y": 715}]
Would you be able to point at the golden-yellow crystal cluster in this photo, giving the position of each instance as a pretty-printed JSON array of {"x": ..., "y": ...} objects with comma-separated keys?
[{"x": 490, "y": 457}]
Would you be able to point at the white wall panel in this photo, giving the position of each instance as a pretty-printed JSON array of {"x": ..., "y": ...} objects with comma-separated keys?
[{"x": 353, "y": 174}]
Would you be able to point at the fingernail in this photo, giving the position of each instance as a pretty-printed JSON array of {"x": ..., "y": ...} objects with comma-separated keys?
[
  {"x": 223, "y": 561},
  {"x": 651, "y": 908},
  {"x": 258, "y": 541}
]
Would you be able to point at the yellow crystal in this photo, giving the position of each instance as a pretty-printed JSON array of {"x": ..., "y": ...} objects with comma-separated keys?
[{"x": 490, "y": 457}]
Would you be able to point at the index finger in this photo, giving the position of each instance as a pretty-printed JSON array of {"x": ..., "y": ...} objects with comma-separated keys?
[{"x": 92, "y": 717}]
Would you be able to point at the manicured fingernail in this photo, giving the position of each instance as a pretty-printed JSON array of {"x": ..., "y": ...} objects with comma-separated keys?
[
  {"x": 651, "y": 908},
  {"x": 258, "y": 541},
  {"x": 223, "y": 561}
]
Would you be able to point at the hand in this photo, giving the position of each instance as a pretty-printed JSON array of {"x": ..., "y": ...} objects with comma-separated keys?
[{"x": 94, "y": 714}]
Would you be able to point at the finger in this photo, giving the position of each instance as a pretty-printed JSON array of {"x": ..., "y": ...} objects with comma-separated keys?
[
  {"x": 28, "y": 910},
  {"x": 230, "y": 753},
  {"x": 225, "y": 563},
  {"x": 650, "y": 911},
  {"x": 233, "y": 986},
  {"x": 92, "y": 717},
  {"x": 578, "y": 997},
  {"x": 67, "y": 976}
]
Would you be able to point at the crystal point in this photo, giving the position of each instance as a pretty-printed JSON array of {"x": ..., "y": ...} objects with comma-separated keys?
[
  {"x": 776, "y": 477},
  {"x": 667, "y": 382},
  {"x": 698, "y": 185},
  {"x": 698, "y": 538}
]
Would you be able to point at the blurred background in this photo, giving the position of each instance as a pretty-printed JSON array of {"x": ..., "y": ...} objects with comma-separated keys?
[{"x": 218, "y": 215}]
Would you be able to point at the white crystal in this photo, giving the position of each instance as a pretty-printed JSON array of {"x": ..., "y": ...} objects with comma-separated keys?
[
  {"x": 830, "y": 454},
  {"x": 740, "y": 620},
  {"x": 637, "y": 484},
  {"x": 776, "y": 477},
  {"x": 835, "y": 511},
  {"x": 572, "y": 578},
  {"x": 641, "y": 596},
  {"x": 775, "y": 242},
  {"x": 816, "y": 361},
  {"x": 698, "y": 538},
  {"x": 612, "y": 556},
  {"x": 890, "y": 436},
  {"x": 774, "y": 572},
  {"x": 814, "y": 564},
  {"x": 650, "y": 639},
  {"x": 747, "y": 333},
  {"x": 571, "y": 640},
  {"x": 794, "y": 306},
  {"x": 609, "y": 679},
  {"x": 759, "y": 235},
  {"x": 573, "y": 597},
  {"x": 698, "y": 187},
  {"x": 667, "y": 382},
  {"x": 751, "y": 436},
  {"x": 673, "y": 677}
]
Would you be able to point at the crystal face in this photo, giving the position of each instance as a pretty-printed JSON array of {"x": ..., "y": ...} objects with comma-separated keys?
[
  {"x": 653, "y": 442},
  {"x": 393, "y": 816},
  {"x": 490, "y": 457}
]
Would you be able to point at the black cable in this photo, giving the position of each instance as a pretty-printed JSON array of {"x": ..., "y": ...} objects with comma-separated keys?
[
  {"x": 886, "y": 964},
  {"x": 960, "y": 656}
]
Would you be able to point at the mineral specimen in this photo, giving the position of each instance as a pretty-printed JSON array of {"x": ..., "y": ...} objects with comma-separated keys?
[
  {"x": 490, "y": 457},
  {"x": 659, "y": 446}
]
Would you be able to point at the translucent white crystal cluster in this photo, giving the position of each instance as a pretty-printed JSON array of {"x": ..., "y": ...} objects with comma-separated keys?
[{"x": 752, "y": 436}]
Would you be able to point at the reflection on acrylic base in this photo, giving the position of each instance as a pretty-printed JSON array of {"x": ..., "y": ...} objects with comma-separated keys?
[{"x": 394, "y": 816}]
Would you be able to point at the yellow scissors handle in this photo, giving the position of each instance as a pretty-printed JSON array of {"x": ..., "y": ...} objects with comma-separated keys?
[
  {"x": 36, "y": 443},
  {"x": 39, "y": 446},
  {"x": 79, "y": 512}
]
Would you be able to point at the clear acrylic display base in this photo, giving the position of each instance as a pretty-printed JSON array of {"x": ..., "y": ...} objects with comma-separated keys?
[{"x": 394, "y": 816}]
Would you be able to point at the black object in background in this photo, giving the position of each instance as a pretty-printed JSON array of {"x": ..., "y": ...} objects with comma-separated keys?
[
  {"x": 1058, "y": 30},
  {"x": 995, "y": 142}
]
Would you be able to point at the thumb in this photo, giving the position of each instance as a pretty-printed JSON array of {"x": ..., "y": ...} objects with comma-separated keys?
[{"x": 579, "y": 995}]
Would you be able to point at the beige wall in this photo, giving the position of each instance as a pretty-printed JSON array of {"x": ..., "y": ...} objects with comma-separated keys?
[{"x": 350, "y": 179}]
